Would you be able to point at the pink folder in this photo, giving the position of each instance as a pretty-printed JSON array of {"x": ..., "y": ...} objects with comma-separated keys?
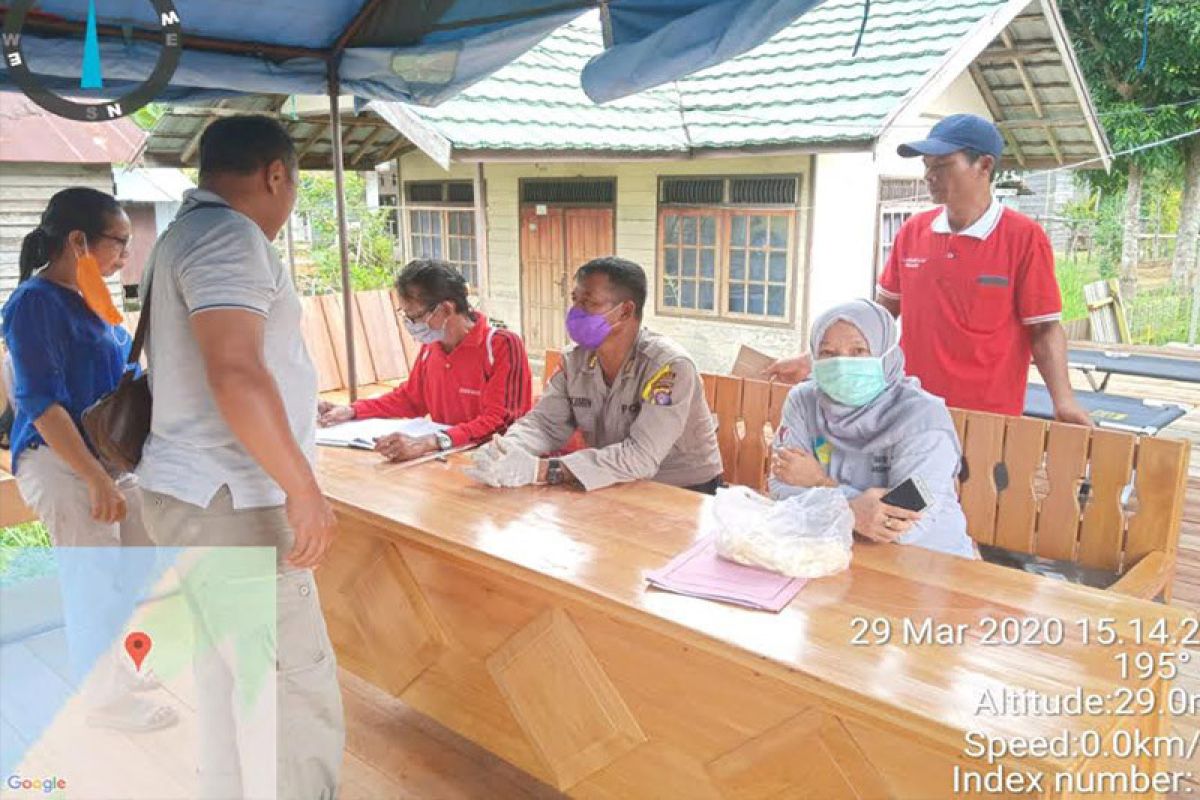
[{"x": 700, "y": 572}]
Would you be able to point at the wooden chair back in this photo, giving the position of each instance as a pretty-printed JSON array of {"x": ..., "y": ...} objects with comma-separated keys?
[
  {"x": 747, "y": 413},
  {"x": 1096, "y": 497},
  {"x": 550, "y": 366}
]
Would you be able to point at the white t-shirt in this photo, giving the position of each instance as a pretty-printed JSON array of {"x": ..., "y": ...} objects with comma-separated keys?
[{"x": 214, "y": 258}]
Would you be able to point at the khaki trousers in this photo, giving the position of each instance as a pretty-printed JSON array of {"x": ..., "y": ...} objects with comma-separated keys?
[
  {"x": 60, "y": 498},
  {"x": 301, "y": 729}
]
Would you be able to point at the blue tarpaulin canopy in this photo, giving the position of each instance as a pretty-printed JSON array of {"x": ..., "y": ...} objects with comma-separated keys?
[
  {"x": 420, "y": 51},
  {"x": 417, "y": 51}
]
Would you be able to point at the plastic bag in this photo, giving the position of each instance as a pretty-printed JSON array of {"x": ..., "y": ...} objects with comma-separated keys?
[{"x": 804, "y": 536}]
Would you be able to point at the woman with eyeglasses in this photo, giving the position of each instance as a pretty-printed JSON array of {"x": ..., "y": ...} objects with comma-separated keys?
[
  {"x": 66, "y": 350},
  {"x": 471, "y": 375}
]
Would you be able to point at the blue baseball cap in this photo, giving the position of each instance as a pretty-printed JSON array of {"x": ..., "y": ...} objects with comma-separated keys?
[{"x": 957, "y": 132}]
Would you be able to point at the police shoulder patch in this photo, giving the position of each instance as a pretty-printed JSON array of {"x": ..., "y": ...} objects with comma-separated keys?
[{"x": 658, "y": 389}]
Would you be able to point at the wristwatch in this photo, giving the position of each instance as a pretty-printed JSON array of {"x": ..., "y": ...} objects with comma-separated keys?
[
  {"x": 444, "y": 442},
  {"x": 555, "y": 473}
]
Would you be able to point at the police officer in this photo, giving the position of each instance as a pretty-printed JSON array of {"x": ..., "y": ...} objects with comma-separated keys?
[{"x": 635, "y": 395}]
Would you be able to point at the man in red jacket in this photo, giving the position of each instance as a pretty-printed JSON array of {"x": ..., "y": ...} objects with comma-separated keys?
[{"x": 470, "y": 375}]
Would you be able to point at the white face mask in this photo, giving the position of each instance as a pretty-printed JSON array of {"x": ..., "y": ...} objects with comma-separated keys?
[{"x": 421, "y": 332}]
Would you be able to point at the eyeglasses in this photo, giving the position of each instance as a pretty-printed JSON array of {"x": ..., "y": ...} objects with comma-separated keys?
[
  {"x": 418, "y": 317},
  {"x": 124, "y": 242}
]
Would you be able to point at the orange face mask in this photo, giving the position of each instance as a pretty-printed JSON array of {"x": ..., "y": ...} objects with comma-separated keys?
[{"x": 95, "y": 292}]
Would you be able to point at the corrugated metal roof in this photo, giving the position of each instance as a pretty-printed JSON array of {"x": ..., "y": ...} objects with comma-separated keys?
[
  {"x": 366, "y": 139},
  {"x": 803, "y": 87},
  {"x": 30, "y": 134},
  {"x": 1031, "y": 82}
]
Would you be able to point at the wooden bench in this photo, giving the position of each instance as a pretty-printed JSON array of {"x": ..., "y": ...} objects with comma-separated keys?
[{"x": 1105, "y": 500}]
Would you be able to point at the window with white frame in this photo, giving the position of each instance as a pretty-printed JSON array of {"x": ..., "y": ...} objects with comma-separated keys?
[
  {"x": 899, "y": 199},
  {"x": 727, "y": 247},
  {"x": 441, "y": 224}
]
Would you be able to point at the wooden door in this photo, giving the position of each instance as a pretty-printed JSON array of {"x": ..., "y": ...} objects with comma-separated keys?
[
  {"x": 589, "y": 235},
  {"x": 554, "y": 244},
  {"x": 543, "y": 267}
]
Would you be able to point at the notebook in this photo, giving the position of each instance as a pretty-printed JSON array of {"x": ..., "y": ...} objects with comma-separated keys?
[
  {"x": 362, "y": 433},
  {"x": 700, "y": 572}
]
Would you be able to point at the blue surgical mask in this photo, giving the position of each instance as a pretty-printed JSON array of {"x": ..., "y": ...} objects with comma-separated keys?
[{"x": 850, "y": 381}]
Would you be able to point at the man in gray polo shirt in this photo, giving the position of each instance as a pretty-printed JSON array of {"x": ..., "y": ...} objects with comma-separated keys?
[{"x": 228, "y": 460}]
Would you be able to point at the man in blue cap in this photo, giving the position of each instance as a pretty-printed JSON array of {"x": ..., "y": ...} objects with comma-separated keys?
[{"x": 975, "y": 284}]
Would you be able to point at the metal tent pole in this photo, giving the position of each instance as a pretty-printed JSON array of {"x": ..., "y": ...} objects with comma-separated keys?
[{"x": 339, "y": 189}]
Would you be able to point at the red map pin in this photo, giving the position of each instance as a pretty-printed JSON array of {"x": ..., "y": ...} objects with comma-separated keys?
[{"x": 137, "y": 644}]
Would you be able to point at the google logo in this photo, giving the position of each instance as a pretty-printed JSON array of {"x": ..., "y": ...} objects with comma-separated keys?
[{"x": 47, "y": 785}]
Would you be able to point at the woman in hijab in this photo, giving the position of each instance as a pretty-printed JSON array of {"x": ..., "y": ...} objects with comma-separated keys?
[{"x": 862, "y": 427}]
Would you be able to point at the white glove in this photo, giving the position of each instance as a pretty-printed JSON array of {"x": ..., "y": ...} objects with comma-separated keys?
[
  {"x": 483, "y": 458},
  {"x": 502, "y": 463}
]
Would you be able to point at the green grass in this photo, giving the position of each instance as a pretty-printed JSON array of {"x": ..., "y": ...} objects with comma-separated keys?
[
  {"x": 27, "y": 534},
  {"x": 1156, "y": 316},
  {"x": 1073, "y": 274},
  {"x": 25, "y": 553}
]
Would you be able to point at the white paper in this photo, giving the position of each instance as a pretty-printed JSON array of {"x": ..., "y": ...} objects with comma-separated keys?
[{"x": 362, "y": 433}]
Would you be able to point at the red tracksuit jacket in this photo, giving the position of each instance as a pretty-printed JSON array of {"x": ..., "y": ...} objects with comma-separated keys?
[{"x": 480, "y": 388}]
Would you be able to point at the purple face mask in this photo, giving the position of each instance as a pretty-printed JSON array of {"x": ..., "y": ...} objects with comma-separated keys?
[{"x": 587, "y": 330}]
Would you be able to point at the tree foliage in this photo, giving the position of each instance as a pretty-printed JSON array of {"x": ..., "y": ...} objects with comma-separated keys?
[
  {"x": 148, "y": 115},
  {"x": 372, "y": 259},
  {"x": 1139, "y": 107}
]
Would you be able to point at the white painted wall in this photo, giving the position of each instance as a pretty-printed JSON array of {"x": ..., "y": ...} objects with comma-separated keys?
[
  {"x": 164, "y": 215},
  {"x": 713, "y": 344},
  {"x": 371, "y": 182},
  {"x": 843, "y": 247}
]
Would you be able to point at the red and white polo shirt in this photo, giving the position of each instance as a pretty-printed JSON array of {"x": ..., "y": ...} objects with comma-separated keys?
[
  {"x": 479, "y": 388},
  {"x": 967, "y": 300}
]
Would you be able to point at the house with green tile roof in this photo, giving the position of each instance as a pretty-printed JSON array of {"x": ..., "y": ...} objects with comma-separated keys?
[{"x": 755, "y": 193}]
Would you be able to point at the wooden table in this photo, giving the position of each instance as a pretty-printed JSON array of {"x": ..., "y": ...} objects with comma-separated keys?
[{"x": 520, "y": 619}]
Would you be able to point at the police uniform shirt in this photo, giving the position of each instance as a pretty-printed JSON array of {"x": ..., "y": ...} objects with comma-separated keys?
[{"x": 652, "y": 423}]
